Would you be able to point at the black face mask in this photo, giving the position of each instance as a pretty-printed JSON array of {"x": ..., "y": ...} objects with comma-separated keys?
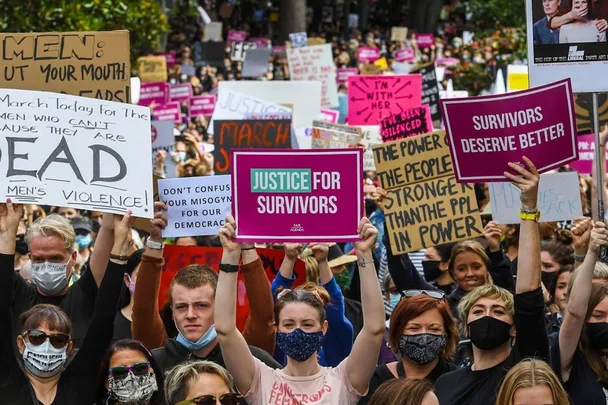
[
  {"x": 598, "y": 335},
  {"x": 370, "y": 207},
  {"x": 489, "y": 333},
  {"x": 431, "y": 269},
  {"x": 21, "y": 246},
  {"x": 549, "y": 279}
]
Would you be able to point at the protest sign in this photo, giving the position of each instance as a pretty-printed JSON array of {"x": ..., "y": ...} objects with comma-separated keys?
[
  {"x": 370, "y": 136},
  {"x": 382, "y": 64},
  {"x": 259, "y": 42},
  {"x": 171, "y": 111},
  {"x": 404, "y": 55},
  {"x": 486, "y": 133},
  {"x": 398, "y": 34},
  {"x": 278, "y": 50},
  {"x": 413, "y": 121},
  {"x": 517, "y": 77},
  {"x": 298, "y": 39},
  {"x": 583, "y": 107},
  {"x": 367, "y": 54},
  {"x": 152, "y": 68},
  {"x": 577, "y": 50},
  {"x": 342, "y": 74},
  {"x": 559, "y": 199},
  {"x": 212, "y": 53},
  {"x": 157, "y": 93},
  {"x": 425, "y": 40},
  {"x": 353, "y": 20},
  {"x": 236, "y": 36},
  {"x": 586, "y": 154},
  {"x": 430, "y": 89},
  {"x": 188, "y": 70},
  {"x": 143, "y": 224},
  {"x": 213, "y": 32},
  {"x": 448, "y": 62},
  {"x": 70, "y": 151},
  {"x": 163, "y": 139},
  {"x": 171, "y": 58},
  {"x": 256, "y": 62},
  {"x": 425, "y": 205},
  {"x": 315, "y": 63},
  {"x": 259, "y": 134},
  {"x": 202, "y": 105},
  {"x": 180, "y": 92},
  {"x": 88, "y": 64},
  {"x": 315, "y": 41},
  {"x": 239, "y": 50},
  {"x": 334, "y": 136},
  {"x": 372, "y": 97},
  {"x": 328, "y": 115},
  {"x": 294, "y": 195},
  {"x": 196, "y": 206}
]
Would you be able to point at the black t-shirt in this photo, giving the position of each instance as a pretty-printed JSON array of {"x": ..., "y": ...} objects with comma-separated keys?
[
  {"x": 468, "y": 387},
  {"x": 122, "y": 327},
  {"x": 583, "y": 387}
]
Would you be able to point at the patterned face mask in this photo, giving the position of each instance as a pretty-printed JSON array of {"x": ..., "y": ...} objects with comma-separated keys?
[
  {"x": 298, "y": 344},
  {"x": 422, "y": 348},
  {"x": 343, "y": 279},
  {"x": 132, "y": 389}
]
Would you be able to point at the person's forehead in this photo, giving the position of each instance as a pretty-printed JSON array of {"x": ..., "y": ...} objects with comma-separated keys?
[
  {"x": 199, "y": 294},
  {"x": 299, "y": 311},
  {"x": 52, "y": 244},
  {"x": 489, "y": 302},
  {"x": 127, "y": 358}
]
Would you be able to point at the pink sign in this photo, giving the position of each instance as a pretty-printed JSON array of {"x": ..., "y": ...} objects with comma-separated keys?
[
  {"x": 372, "y": 97},
  {"x": 202, "y": 105},
  {"x": 236, "y": 36},
  {"x": 168, "y": 112},
  {"x": 278, "y": 49},
  {"x": 292, "y": 195},
  {"x": 404, "y": 55},
  {"x": 425, "y": 40},
  {"x": 330, "y": 115},
  {"x": 157, "y": 93},
  {"x": 447, "y": 62},
  {"x": 485, "y": 133},
  {"x": 343, "y": 74},
  {"x": 259, "y": 42},
  {"x": 367, "y": 54},
  {"x": 586, "y": 154},
  {"x": 411, "y": 122},
  {"x": 170, "y": 56},
  {"x": 180, "y": 92}
]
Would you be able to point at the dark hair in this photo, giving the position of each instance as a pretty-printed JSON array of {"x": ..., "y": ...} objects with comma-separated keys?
[
  {"x": 597, "y": 360},
  {"x": 560, "y": 248},
  {"x": 128, "y": 344},
  {"x": 50, "y": 315},
  {"x": 401, "y": 391},
  {"x": 512, "y": 236},
  {"x": 194, "y": 276},
  {"x": 444, "y": 251},
  {"x": 132, "y": 263},
  {"x": 308, "y": 293},
  {"x": 553, "y": 287}
]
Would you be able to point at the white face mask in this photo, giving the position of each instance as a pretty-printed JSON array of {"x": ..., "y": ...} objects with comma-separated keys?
[
  {"x": 50, "y": 278},
  {"x": 44, "y": 360},
  {"x": 132, "y": 389}
]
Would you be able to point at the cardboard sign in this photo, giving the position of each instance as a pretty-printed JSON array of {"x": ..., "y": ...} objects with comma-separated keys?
[
  {"x": 372, "y": 97},
  {"x": 171, "y": 111},
  {"x": 334, "y": 136},
  {"x": 196, "y": 206},
  {"x": 586, "y": 154},
  {"x": 413, "y": 121},
  {"x": 367, "y": 54},
  {"x": 213, "y": 32},
  {"x": 425, "y": 205},
  {"x": 404, "y": 55},
  {"x": 294, "y": 195},
  {"x": 70, "y": 151},
  {"x": 157, "y": 93},
  {"x": 163, "y": 139},
  {"x": 88, "y": 64},
  {"x": 430, "y": 89},
  {"x": 256, "y": 62},
  {"x": 315, "y": 41},
  {"x": 559, "y": 199},
  {"x": 239, "y": 50},
  {"x": 399, "y": 34},
  {"x": 202, "y": 105},
  {"x": 259, "y": 134},
  {"x": 370, "y": 136},
  {"x": 425, "y": 40},
  {"x": 180, "y": 92},
  {"x": 236, "y": 36},
  {"x": 488, "y": 132},
  {"x": 342, "y": 74},
  {"x": 331, "y": 116},
  {"x": 152, "y": 69},
  {"x": 298, "y": 39},
  {"x": 315, "y": 63},
  {"x": 517, "y": 77}
]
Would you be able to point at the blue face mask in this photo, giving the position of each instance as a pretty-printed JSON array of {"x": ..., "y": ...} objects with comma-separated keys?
[
  {"x": 199, "y": 344},
  {"x": 299, "y": 345},
  {"x": 83, "y": 241},
  {"x": 182, "y": 156},
  {"x": 395, "y": 298}
]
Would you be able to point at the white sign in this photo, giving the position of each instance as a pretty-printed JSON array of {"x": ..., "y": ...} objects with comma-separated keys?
[
  {"x": 315, "y": 63},
  {"x": 213, "y": 32},
  {"x": 370, "y": 137},
  {"x": 163, "y": 139},
  {"x": 232, "y": 105},
  {"x": 559, "y": 199},
  {"x": 69, "y": 151},
  {"x": 196, "y": 206},
  {"x": 298, "y": 39},
  {"x": 239, "y": 50}
]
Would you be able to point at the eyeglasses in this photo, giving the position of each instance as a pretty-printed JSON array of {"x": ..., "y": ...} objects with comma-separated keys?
[
  {"x": 433, "y": 294},
  {"x": 226, "y": 399},
  {"x": 38, "y": 337},
  {"x": 137, "y": 369}
]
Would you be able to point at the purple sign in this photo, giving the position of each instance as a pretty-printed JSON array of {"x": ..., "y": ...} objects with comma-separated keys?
[
  {"x": 425, "y": 40},
  {"x": 586, "y": 154},
  {"x": 168, "y": 112},
  {"x": 202, "y": 105},
  {"x": 171, "y": 58},
  {"x": 343, "y": 74},
  {"x": 404, "y": 55},
  {"x": 259, "y": 42},
  {"x": 447, "y": 62},
  {"x": 291, "y": 195},
  {"x": 277, "y": 50},
  {"x": 485, "y": 133},
  {"x": 368, "y": 54},
  {"x": 180, "y": 92},
  {"x": 236, "y": 36},
  {"x": 157, "y": 93},
  {"x": 330, "y": 115}
]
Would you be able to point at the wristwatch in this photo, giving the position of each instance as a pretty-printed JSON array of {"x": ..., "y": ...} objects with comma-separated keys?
[
  {"x": 155, "y": 245},
  {"x": 530, "y": 215}
]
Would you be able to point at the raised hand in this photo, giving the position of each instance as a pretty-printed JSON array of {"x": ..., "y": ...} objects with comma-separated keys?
[
  {"x": 378, "y": 196},
  {"x": 368, "y": 235},
  {"x": 599, "y": 237},
  {"x": 123, "y": 237},
  {"x": 527, "y": 181},
  {"x": 292, "y": 250},
  {"x": 227, "y": 234},
  {"x": 10, "y": 217},
  {"x": 319, "y": 250},
  {"x": 581, "y": 232},
  {"x": 493, "y": 234},
  {"x": 159, "y": 222}
]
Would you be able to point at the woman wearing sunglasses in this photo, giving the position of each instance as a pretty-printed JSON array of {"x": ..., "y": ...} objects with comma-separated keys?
[
  {"x": 130, "y": 375},
  {"x": 201, "y": 383},
  {"x": 40, "y": 375}
]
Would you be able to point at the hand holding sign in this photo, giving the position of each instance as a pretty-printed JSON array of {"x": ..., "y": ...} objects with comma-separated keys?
[
  {"x": 599, "y": 237},
  {"x": 493, "y": 234},
  {"x": 227, "y": 234},
  {"x": 10, "y": 217},
  {"x": 123, "y": 237},
  {"x": 159, "y": 222},
  {"x": 320, "y": 251},
  {"x": 527, "y": 182},
  {"x": 581, "y": 232},
  {"x": 368, "y": 234},
  {"x": 379, "y": 196},
  {"x": 292, "y": 250}
]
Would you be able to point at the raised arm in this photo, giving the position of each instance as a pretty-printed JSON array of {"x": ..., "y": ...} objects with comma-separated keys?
[
  {"x": 239, "y": 360},
  {"x": 594, "y": 183},
  {"x": 581, "y": 233},
  {"x": 558, "y": 21},
  {"x": 361, "y": 363},
  {"x": 103, "y": 248},
  {"x": 284, "y": 277},
  {"x": 500, "y": 265}
]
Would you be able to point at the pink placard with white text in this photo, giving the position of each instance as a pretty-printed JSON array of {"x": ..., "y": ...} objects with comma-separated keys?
[
  {"x": 168, "y": 112},
  {"x": 367, "y": 54}
]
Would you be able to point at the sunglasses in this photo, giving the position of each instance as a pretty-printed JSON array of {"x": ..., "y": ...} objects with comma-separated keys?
[
  {"x": 138, "y": 369},
  {"x": 433, "y": 294},
  {"x": 38, "y": 337},
  {"x": 226, "y": 399}
]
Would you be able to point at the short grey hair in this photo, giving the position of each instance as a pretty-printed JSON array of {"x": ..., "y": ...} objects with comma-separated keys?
[
  {"x": 53, "y": 225},
  {"x": 179, "y": 378}
]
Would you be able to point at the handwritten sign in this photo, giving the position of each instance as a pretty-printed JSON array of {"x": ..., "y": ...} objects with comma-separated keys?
[
  {"x": 398, "y": 34},
  {"x": 168, "y": 112},
  {"x": 413, "y": 121},
  {"x": 152, "y": 68},
  {"x": 180, "y": 92},
  {"x": 334, "y": 136},
  {"x": 331, "y": 116},
  {"x": 372, "y": 97},
  {"x": 367, "y": 54},
  {"x": 196, "y": 206},
  {"x": 586, "y": 154},
  {"x": 342, "y": 74},
  {"x": 425, "y": 206},
  {"x": 315, "y": 63},
  {"x": 292, "y": 195},
  {"x": 259, "y": 134},
  {"x": 298, "y": 39},
  {"x": 202, "y": 105},
  {"x": 559, "y": 199},
  {"x": 430, "y": 90},
  {"x": 88, "y": 64},
  {"x": 73, "y": 151},
  {"x": 236, "y": 36},
  {"x": 163, "y": 139},
  {"x": 213, "y": 32},
  {"x": 425, "y": 40},
  {"x": 370, "y": 136},
  {"x": 157, "y": 93},
  {"x": 488, "y": 132},
  {"x": 404, "y": 55}
]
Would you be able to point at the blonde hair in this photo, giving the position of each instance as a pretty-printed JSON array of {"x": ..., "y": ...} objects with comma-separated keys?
[
  {"x": 179, "y": 378},
  {"x": 53, "y": 225},
  {"x": 312, "y": 266},
  {"x": 531, "y": 373},
  {"x": 600, "y": 272},
  {"x": 485, "y": 291},
  {"x": 469, "y": 246}
]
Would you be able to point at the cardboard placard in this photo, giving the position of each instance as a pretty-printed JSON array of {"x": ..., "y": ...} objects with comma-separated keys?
[
  {"x": 367, "y": 54},
  {"x": 315, "y": 41},
  {"x": 259, "y": 134},
  {"x": 398, "y": 34},
  {"x": 486, "y": 133},
  {"x": 180, "y": 92},
  {"x": 213, "y": 31},
  {"x": 315, "y": 63},
  {"x": 152, "y": 69},
  {"x": 163, "y": 139},
  {"x": 425, "y": 40},
  {"x": 71, "y": 151},
  {"x": 88, "y": 64},
  {"x": 334, "y": 136},
  {"x": 586, "y": 154},
  {"x": 157, "y": 93},
  {"x": 298, "y": 39},
  {"x": 430, "y": 89},
  {"x": 372, "y": 97},
  {"x": 413, "y": 121},
  {"x": 370, "y": 136},
  {"x": 256, "y": 62},
  {"x": 292, "y": 195},
  {"x": 171, "y": 111},
  {"x": 202, "y": 105},
  {"x": 425, "y": 205}
]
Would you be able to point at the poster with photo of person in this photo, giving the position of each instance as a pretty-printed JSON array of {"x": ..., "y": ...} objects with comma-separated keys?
[{"x": 567, "y": 39}]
